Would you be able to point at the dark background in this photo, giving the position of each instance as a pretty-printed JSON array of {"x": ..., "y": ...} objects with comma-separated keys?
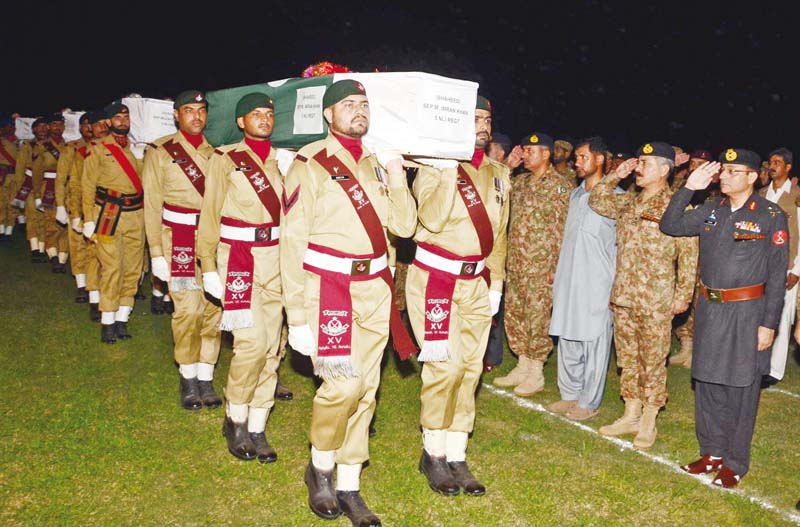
[{"x": 694, "y": 74}]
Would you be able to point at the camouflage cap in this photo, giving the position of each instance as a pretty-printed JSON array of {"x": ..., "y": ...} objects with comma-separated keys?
[{"x": 563, "y": 143}]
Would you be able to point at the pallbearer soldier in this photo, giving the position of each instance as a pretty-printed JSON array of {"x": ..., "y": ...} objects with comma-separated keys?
[
  {"x": 744, "y": 244},
  {"x": 454, "y": 288},
  {"x": 8, "y": 164},
  {"x": 114, "y": 220},
  {"x": 654, "y": 282},
  {"x": 338, "y": 204},
  {"x": 25, "y": 192},
  {"x": 68, "y": 204},
  {"x": 174, "y": 183},
  {"x": 237, "y": 246},
  {"x": 44, "y": 179}
]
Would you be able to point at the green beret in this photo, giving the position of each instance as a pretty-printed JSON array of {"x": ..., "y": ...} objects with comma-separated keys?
[
  {"x": 189, "y": 97},
  {"x": 482, "y": 103},
  {"x": 341, "y": 89},
  {"x": 55, "y": 118},
  {"x": 251, "y": 101},
  {"x": 657, "y": 149},
  {"x": 114, "y": 108},
  {"x": 740, "y": 156},
  {"x": 84, "y": 118},
  {"x": 38, "y": 121},
  {"x": 537, "y": 139},
  {"x": 94, "y": 116}
]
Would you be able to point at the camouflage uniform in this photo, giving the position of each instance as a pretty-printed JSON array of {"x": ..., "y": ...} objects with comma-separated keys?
[
  {"x": 538, "y": 212},
  {"x": 653, "y": 269}
]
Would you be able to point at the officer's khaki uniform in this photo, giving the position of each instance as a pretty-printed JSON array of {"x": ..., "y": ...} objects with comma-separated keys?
[
  {"x": 44, "y": 172},
  {"x": 91, "y": 263},
  {"x": 448, "y": 386},
  {"x": 538, "y": 212},
  {"x": 229, "y": 194},
  {"x": 653, "y": 270},
  {"x": 8, "y": 214},
  {"x": 325, "y": 216},
  {"x": 65, "y": 172},
  {"x": 120, "y": 254},
  {"x": 28, "y": 153},
  {"x": 195, "y": 320}
]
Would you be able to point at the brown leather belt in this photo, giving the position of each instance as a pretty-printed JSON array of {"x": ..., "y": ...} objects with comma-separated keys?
[{"x": 719, "y": 296}]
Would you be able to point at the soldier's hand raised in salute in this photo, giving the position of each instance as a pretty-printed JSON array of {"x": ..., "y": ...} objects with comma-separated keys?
[
  {"x": 514, "y": 157},
  {"x": 626, "y": 168},
  {"x": 702, "y": 176}
]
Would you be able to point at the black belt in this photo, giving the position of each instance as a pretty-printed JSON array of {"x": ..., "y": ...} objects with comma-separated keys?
[{"x": 127, "y": 202}]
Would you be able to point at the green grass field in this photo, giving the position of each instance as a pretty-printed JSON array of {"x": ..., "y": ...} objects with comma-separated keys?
[{"x": 94, "y": 435}]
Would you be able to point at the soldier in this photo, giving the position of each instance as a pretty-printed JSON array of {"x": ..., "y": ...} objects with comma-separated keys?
[
  {"x": 25, "y": 192},
  {"x": 8, "y": 163},
  {"x": 539, "y": 203},
  {"x": 499, "y": 147},
  {"x": 112, "y": 206},
  {"x": 173, "y": 179},
  {"x": 44, "y": 178},
  {"x": 237, "y": 246},
  {"x": 743, "y": 261},
  {"x": 562, "y": 150},
  {"x": 654, "y": 282},
  {"x": 68, "y": 205},
  {"x": 337, "y": 206},
  {"x": 454, "y": 288},
  {"x": 786, "y": 195}
]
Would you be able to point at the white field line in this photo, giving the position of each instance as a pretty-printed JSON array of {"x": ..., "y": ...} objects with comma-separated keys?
[
  {"x": 788, "y": 515},
  {"x": 784, "y": 392}
]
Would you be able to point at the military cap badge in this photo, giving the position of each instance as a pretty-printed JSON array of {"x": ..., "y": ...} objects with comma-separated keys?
[
  {"x": 534, "y": 139},
  {"x": 198, "y": 97},
  {"x": 647, "y": 149},
  {"x": 730, "y": 155}
]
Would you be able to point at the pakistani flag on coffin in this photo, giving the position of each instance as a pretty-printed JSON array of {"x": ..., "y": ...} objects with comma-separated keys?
[{"x": 416, "y": 113}]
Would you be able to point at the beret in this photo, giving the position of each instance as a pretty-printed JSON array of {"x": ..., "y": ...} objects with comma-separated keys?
[
  {"x": 56, "y": 118},
  {"x": 701, "y": 154},
  {"x": 113, "y": 109},
  {"x": 740, "y": 156},
  {"x": 537, "y": 139},
  {"x": 251, "y": 101},
  {"x": 657, "y": 149},
  {"x": 482, "y": 103},
  {"x": 189, "y": 97},
  {"x": 341, "y": 89}
]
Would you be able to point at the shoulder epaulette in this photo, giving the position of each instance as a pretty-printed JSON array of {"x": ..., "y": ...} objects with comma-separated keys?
[
  {"x": 301, "y": 158},
  {"x": 219, "y": 152}
]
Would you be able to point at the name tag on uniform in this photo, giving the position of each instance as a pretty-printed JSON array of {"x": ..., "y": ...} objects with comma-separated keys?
[
  {"x": 746, "y": 236},
  {"x": 340, "y": 178},
  {"x": 180, "y": 161},
  {"x": 243, "y": 169}
]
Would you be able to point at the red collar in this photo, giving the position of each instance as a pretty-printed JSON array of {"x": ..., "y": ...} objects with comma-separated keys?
[
  {"x": 194, "y": 139},
  {"x": 352, "y": 145},
  {"x": 477, "y": 157},
  {"x": 261, "y": 148},
  {"x": 121, "y": 140}
]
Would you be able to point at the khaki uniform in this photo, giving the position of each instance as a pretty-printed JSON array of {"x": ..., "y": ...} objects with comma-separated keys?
[
  {"x": 195, "y": 320},
  {"x": 538, "y": 213},
  {"x": 323, "y": 214},
  {"x": 8, "y": 214},
  {"x": 44, "y": 169},
  {"x": 653, "y": 270},
  {"x": 120, "y": 253},
  {"x": 65, "y": 172},
  {"x": 448, "y": 386},
  {"x": 28, "y": 153},
  {"x": 90, "y": 262},
  {"x": 229, "y": 194}
]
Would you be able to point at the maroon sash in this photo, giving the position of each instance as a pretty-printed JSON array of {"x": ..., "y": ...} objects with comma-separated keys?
[
  {"x": 49, "y": 194},
  {"x": 477, "y": 211},
  {"x": 126, "y": 165},
  {"x": 187, "y": 165},
  {"x": 8, "y": 157},
  {"x": 260, "y": 183},
  {"x": 24, "y": 191},
  {"x": 4, "y": 171},
  {"x": 51, "y": 148},
  {"x": 182, "y": 260},
  {"x": 401, "y": 340}
]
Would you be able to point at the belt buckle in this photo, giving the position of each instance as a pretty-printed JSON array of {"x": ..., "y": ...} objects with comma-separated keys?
[
  {"x": 468, "y": 268},
  {"x": 715, "y": 296},
  {"x": 262, "y": 234},
  {"x": 359, "y": 267}
]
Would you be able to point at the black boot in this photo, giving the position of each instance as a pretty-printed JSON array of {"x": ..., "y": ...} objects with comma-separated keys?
[
  {"x": 108, "y": 333},
  {"x": 282, "y": 392},
  {"x": 54, "y": 265},
  {"x": 139, "y": 295},
  {"x": 36, "y": 257},
  {"x": 94, "y": 312},
  {"x": 353, "y": 506},
  {"x": 122, "y": 330},
  {"x": 208, "y": 396},
  {"x": 438, "y": 473},
  {"x": 239, "y": 443},
  {"x": 265, "y": 453},
  {"x": 465, "y": 479},
  {"x": 321, "y": 498},
  {"x": 157, "y": 305},
  {"x": 82, "y": 296},
  {"x": 42, "y": 257},
  {"x": 190, "y": 396},
  {"x": 169, "y": 307}
]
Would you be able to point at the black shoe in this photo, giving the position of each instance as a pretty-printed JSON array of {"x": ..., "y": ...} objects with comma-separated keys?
[
  {"x": 122, "y": 330},
  {"x": 465, "y": 479},
  {"x": 62, "y": 268},
  {"x": 42, "y": 257},
  {"x": 282, "y": 392},
  {"x": 94, "y": 312},
  {"x": 239, "y": 443},
  {"x": 372, "y": 431},
  {"x": 353, "y": 506},
  {"x": 108, "y": 333},
  {"x": 190, "y": 395},
  {"x": 321, "y": 498},
  {"x": 139, "y": 295},
  {"x": 768, "y": 380},
  {"x": 208, "y": 396},
  {"x": 36, "y": 257},
  {"x": 265, "y": 453},
  {"x": 157, "y": 305},
  {"x": 82, "y": 296},
  {"x": 54, "y": 264},
  {"x": 438, "y": 473},
  {"x": 169, "y": 307}
]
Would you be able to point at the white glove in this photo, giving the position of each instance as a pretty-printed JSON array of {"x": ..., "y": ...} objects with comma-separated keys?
[
  {"x": 285, "y": 159},
  {"x": 160, "y": 268},
  {"x": 301, "y": 339},
  {"x": 494, "y": 301},
  {"x": 441, "y": 164},
  {"x": 76, "y": 225},
  {"x": 88, "y": 229},
  {"x": 61, "y": 215},
  {"x": 212, "y": 284},
  {"x": 38, "y": 204}
]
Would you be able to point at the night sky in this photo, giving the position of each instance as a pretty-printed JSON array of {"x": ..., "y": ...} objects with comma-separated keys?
[{"x": 691, "y": 75}]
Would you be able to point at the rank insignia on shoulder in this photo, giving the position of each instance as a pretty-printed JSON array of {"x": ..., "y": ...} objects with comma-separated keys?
[
  {"x": 752, "y": 206},
  {"x": 218, "y": 151}
]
